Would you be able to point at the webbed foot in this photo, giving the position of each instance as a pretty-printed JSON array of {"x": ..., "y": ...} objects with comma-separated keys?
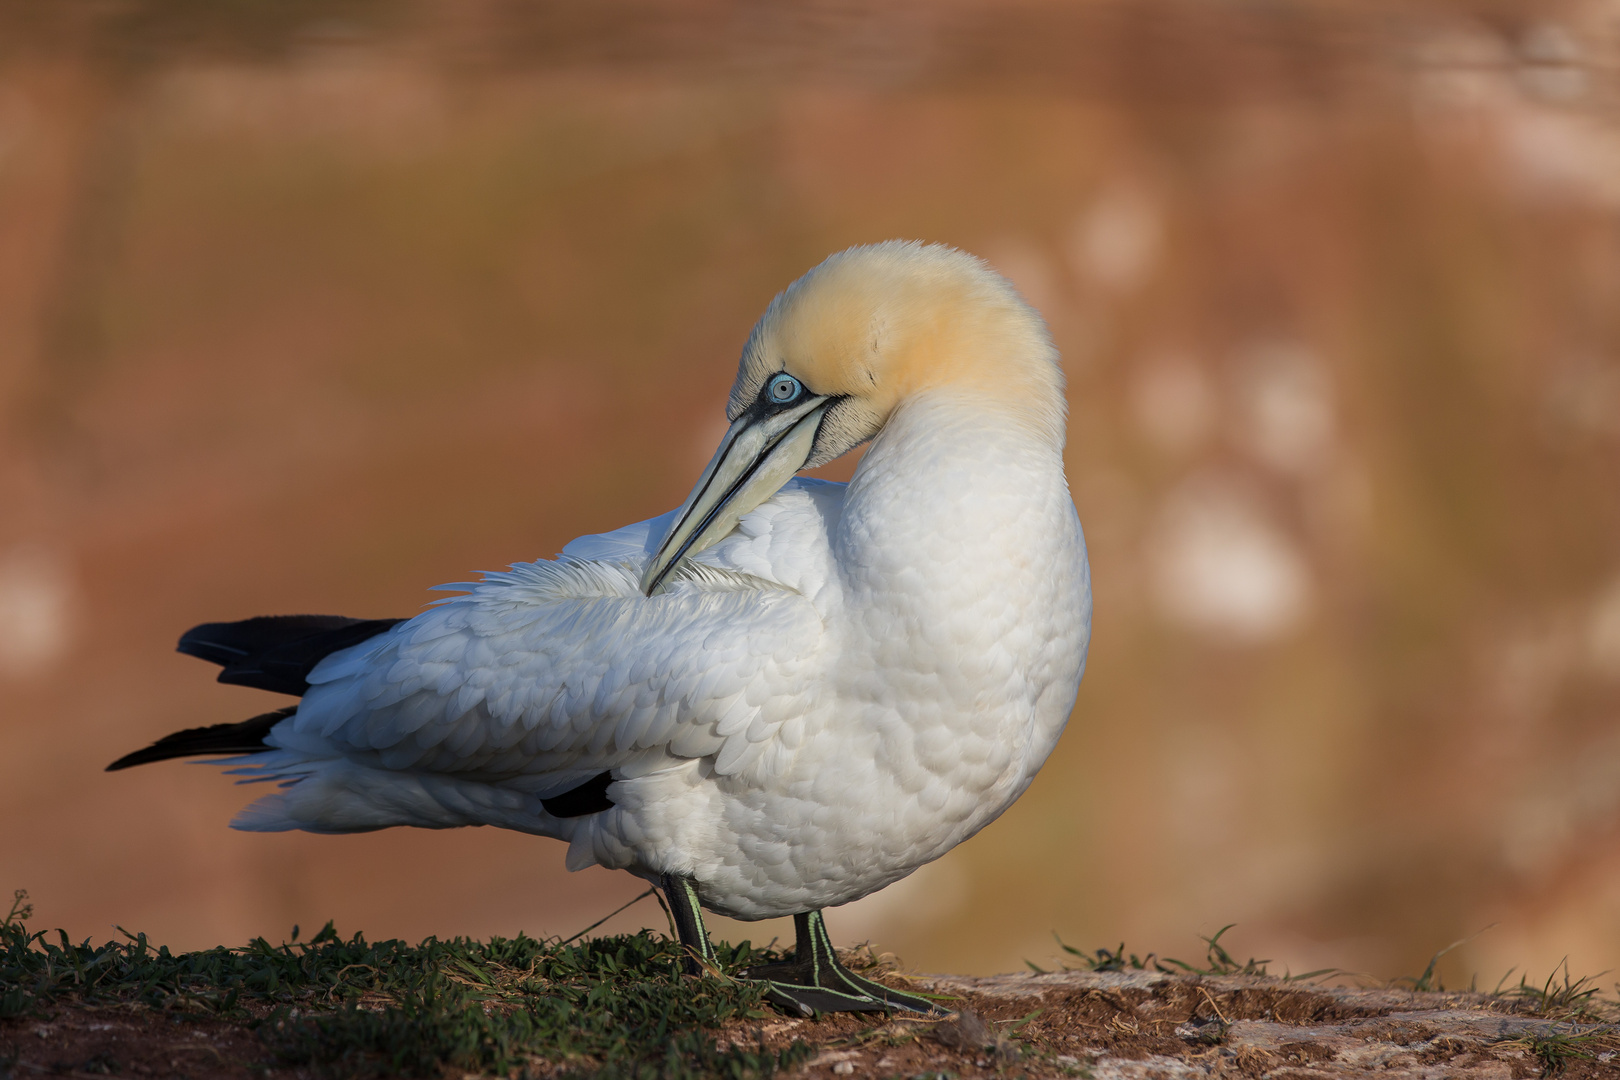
[{"x": 814, "y": 980}]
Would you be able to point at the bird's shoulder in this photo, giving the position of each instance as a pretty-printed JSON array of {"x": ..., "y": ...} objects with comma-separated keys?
[
  {"x": 778, "y": 541},
  {"x": 788, "y": 539}
]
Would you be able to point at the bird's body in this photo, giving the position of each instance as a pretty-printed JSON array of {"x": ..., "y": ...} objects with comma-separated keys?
[{"x": 788, "y": 693}]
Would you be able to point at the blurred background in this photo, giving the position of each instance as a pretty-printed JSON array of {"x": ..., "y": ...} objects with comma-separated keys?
[{"x": 307, "y": 306}]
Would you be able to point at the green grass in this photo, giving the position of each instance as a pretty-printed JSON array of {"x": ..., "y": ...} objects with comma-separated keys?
[
  {"x": 1429, "y": 980},
  {"x": 1217, "y": 961},
  {"x": 1561, "y": 996},
  {"x": 1557, "y": 1050},
  {"x": 613, "y": 1007}
]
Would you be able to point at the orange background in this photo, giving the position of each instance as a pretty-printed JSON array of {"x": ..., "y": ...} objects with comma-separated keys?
[{"x": 307, "y": 307}]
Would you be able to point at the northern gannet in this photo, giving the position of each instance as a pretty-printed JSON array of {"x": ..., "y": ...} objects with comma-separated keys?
[{"x": 779, "y": 697}]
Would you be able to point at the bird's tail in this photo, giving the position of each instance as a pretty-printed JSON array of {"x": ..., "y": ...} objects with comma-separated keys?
[{"x": 272, "y": 652}]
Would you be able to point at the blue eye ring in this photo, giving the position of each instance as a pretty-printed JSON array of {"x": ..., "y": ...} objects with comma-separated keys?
[{"x": 783, "y": 389}]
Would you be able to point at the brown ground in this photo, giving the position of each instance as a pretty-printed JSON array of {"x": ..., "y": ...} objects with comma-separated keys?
[
  {"x": 1106, "y": 1025},
  {"x": 88, "y": 1040}
]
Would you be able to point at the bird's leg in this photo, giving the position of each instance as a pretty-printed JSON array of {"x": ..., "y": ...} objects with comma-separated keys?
[
  {"x": 814, "y": 981},
  {"x": 683, "y": 908}
]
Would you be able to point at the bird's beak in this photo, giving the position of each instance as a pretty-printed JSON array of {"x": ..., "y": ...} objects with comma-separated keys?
[{"x": 757, "y": 456}]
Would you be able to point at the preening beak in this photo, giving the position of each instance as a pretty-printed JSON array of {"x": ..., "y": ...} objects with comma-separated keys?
[{"x": 763, "y": 449}]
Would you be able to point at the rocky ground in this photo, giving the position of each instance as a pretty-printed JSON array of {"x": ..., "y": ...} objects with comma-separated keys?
[
  {"x": 1138, "y": 1025},
  {"x": 1110, "y": 1025}
]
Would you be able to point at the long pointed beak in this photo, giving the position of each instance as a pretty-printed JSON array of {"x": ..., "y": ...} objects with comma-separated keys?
[{"x": 758, "y": 455}]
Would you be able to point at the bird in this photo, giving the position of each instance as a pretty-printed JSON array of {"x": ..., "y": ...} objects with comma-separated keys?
[{"x": 779, "y": 697}]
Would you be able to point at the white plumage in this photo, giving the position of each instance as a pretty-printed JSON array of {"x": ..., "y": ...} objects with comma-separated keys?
[{"x": 817, "y": 699}]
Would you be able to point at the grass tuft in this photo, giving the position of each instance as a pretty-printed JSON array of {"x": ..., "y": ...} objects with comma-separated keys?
[
  {"x": 1556, "y": 1050},
  {"x": 1558, "y": 996},
  {"x": 1217, "y": 961},
  {"x": 614, "y": 1007}
]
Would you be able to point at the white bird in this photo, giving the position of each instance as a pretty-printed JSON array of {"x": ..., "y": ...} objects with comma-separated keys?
[{"x": 780, "y": 697}]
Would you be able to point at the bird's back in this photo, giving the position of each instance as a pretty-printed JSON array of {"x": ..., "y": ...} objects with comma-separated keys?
[{"x": 541, "y": 677}]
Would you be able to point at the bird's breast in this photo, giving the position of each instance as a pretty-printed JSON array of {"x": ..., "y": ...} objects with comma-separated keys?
[{"x": 966, "y": 610}]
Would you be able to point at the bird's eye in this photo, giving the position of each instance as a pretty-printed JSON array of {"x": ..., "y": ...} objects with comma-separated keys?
[{"x": 782, "y": 389}]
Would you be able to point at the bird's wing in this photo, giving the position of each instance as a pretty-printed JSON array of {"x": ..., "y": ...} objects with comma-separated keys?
[
  {"x": 546, "y": 674},
  {"x": 786, "y": 539},
  {"x": 632, "y": 543}
]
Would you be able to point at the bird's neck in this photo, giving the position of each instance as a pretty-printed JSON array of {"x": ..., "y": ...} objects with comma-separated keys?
[{"x": 955, "y": 503}]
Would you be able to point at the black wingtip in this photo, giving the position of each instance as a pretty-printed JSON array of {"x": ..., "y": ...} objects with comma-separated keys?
[
  {"x": 204, "y": 643},
  {"x": 246, "y": 737},
  {"x": 276, "y": 652}
]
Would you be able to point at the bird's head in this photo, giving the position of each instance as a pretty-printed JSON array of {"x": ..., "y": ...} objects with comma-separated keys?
[{"x": 844, "y": 347}]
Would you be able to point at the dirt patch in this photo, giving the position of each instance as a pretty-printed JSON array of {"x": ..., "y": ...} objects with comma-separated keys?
[
  {"x": 119, "y": 1040},
  {"x": 1104, "y": 1025},
  {"x": 1142, "y": 1026}
]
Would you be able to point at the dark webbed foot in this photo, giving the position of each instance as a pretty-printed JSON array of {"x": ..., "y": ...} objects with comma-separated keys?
[{"x": 813, "y": 981}]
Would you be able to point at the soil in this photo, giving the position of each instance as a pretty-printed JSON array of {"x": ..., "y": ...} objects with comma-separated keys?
[
  {"x": 1105, "y": 1025},
  {"x": 1151, "y": 1026},
  {"x": 81, "y": 1040}
]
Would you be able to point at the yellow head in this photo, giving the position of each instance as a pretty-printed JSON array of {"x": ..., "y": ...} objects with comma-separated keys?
[
  {"x": 844, "y": 347},
  {"x": 874, "y": 325}
]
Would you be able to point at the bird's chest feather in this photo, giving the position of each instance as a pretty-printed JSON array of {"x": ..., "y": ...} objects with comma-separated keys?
[{"x": 964, "y": 586}]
